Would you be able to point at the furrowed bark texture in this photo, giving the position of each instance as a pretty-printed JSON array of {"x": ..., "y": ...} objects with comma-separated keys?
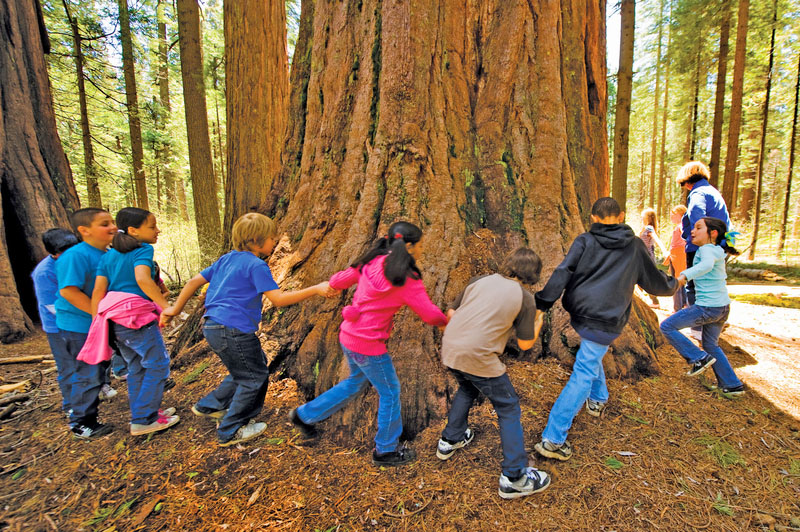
[
  {"x": 482, "y": 122},
  {"x": 35, "y": 179}
]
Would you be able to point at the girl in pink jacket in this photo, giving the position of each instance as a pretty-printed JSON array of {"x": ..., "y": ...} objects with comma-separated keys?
[{"x": 388, "y": 278}]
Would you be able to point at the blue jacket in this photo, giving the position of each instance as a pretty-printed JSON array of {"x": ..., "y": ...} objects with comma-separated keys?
[{"x": 704, "y": 200}]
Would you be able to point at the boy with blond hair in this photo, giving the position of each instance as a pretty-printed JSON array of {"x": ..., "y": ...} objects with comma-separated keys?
[{"x": 233, "y": 312}]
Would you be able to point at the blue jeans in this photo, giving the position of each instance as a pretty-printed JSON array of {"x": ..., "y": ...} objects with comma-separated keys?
[
  {"x": 679, "y": 297},
  {"x": 86, "y": 381},
  {"x": 378, "y": 371},
  {"x": 148, "y": 367},
  {"x": 588, "y": 381},
  {"x": 504, "y": 398},
  {"x": 710, "y": 320},
  {"x": 65, "y": 363},
  {"x": 242, "y": 392}
]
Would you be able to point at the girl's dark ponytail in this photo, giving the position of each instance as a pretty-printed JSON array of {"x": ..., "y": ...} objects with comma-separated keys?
[
  {"x": 126, "y": 218},
  {"x": 399, "y": 264}
]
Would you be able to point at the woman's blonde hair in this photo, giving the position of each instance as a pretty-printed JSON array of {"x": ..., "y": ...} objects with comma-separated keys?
[
  {"x": 692, "y": 172},
  {"x": 679, "y": 209},
  {"x": 252, "y": 230}
]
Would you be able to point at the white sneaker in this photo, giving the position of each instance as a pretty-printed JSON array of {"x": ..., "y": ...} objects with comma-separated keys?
[
  {"x": 445, "y": 450},
  {"x": 107, "y": 393},
  {"x": 533, "y": 481},
  {"x": 162, "y": 423},
  {"x": 246, "y": 432}
]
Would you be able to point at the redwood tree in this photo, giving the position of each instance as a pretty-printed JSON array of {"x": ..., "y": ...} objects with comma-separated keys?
[
  {"x": 719, "y": 98},
  {"x": 484, "y": 124},
  {"x": 622, "y": 114},
  {"x": 735, "y": 124},
  {"x": 36, "y": 185},
  {"x": 792, "y": 141}
]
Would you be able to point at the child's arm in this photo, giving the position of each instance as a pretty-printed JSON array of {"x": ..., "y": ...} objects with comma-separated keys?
[
  {"x": 77, "y": 298},
  {"x": 704, "y": 265},
  {"x": 144, "y": 279},
  {"x": 99, "y": 292},
  {"x": 561, "y": 276},
  {"x": 651, "y": 279},
  {"x": 188, "y": 291},
  {"x": 417, "y": 298},
  {"x": 345, "y": 279},
  {"x": 279, "y": 298}
]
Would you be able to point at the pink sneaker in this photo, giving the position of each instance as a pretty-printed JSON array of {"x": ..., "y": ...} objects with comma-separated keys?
[{"x": 162, "y": 423}]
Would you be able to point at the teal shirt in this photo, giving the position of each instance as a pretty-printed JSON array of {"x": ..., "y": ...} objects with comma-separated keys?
[
  {"x": 77, "y": 266},
  {"x": 708, "y": 273},
  {"x": 119, "y": 269}
]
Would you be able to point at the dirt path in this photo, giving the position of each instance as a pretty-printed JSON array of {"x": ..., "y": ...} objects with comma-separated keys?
[{"x": 770, "y": 338}]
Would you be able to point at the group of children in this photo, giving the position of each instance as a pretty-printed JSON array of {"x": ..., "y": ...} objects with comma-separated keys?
[{"x": 106, "y": 297}]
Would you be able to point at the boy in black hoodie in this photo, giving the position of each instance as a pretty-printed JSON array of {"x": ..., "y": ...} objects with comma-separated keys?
[{"x": 597, "y": 278}]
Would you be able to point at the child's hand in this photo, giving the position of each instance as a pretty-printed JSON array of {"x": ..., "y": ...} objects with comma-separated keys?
[
  {"x": 166, "y": 315},
  {"x": 324, "y": 289},
  {"x": 450, "y": 313},
  {"x": 681, "y": 281}
]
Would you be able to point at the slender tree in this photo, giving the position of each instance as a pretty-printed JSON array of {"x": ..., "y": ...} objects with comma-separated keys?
[
  {"x": 698, "y": 75},
  {"x": 656, "y": 99},
  {"x": 204, "y": 192},
  {"x": 735, "y": 121},
  {"x": 623, "y": 109},
  {"x": 662, "y": 173},
  {"x": 792, "y": 140},
  {"x": 132, "y": 99},
  {"x": 719, "y": 98},
  {"x": 761, "y": 151},
  {"x": 165, "y": 109}
]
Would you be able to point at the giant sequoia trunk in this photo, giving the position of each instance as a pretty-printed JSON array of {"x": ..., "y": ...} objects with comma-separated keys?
[
  {"x": 483, "y": 122},
  {"x": 35, "y": 179}
]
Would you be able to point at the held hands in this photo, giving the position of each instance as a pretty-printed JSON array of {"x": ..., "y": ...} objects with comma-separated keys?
[
  {"x": 166, "y": 315},
  {"x": 324, "y": 289},
  {"x": 681, "y": 281}
]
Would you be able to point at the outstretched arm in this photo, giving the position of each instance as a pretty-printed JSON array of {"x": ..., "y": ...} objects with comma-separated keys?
[
  {"x": 547, "y": 296},
  {"x": 188, "y": 291},
  {"x": 279, "y": 298}
]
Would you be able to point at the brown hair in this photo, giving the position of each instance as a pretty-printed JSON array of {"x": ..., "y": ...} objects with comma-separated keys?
[
  {"x": 523, "y": 264},
  {"x": 252, "y": 230},
  {"x": 692, "y": 172},
  {"x": 649, "y": 218},
  {"x": 84, "y": 217}
]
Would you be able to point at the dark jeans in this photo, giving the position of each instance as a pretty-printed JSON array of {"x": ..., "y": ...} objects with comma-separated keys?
[
  {"x": 148, "y": 367},
  {"x": 86, "y": 381},
  {"x": 65, "y": 363},
  {"x": 501, "y": 393},
  {"x": 243, "y": 391},
  {"x": 679, "y": 297}
]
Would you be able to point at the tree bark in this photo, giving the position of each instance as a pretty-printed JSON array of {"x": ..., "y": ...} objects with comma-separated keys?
[
  {"x": 257, "y": 87},
  {"x": 204, "y": 192},
  {"x": 656, "y": 98},
  {"x": 761, "y": 154},
  {"x": 165, "y": 154},
  {"x": 696, "y": 101},
  {"x": 479, "y": 124},
  {"x": 719, "y": 98},
  {"x": 623, "y": 110},
  {"x": 36, "y": 188},
  {"x": 735, "y": 123},
  {"x": 792, "y": 140},
  {"x": 662, "y": 172},
  {"x": 92, "y": 188},
  {"x": 132, "y": 102}
]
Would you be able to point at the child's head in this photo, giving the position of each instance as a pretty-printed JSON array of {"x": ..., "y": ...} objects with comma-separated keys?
[
  {"x": 692, "y": 172},
  {"x": 708, "y": 230},
  {"x": 93, "y": 225},
  {"x": 607, "y": 211},
  {"x": 676, "y": 213},
  {"x": 56, "y": 241},
  {"x": 403, "y": 244},
  {"x": 523, "y": 264},
  {"x": 254, "y": 232},
  {"x": 134, "y": 226},
  {"x": 649, "y": 217}
]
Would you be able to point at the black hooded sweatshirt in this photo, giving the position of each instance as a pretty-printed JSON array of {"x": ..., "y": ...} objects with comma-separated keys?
[{"x": 598, "y": 275}]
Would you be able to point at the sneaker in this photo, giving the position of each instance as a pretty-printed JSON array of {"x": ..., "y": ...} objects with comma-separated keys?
[
  {"x": 169, "y": 384},
  {"x": 162, "y": 423},
  {"x": 401, "y": 456},
  {"x": 734, "y": 391},
  {"x": 533, "y": 481},
  {"x": 213, "y": 414},
  {"x": 90, "y": 432},
  {"x": 245, "y": 432},
  {"x": 551, "y": 450},
  {"x": 166, "y": 412},
  {"x": 445, "y": 449},
  {"x": 120, "y": 377},
  {"x": 107, "y": 393},
  {"x": 306, "y": 429},
  {"x": 701, "y": 365},
  {"x": 595, "y": 408}
]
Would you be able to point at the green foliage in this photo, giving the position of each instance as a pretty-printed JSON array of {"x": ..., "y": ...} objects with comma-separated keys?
[
  {"x": 195, "y": 373},
  {"x": 720, "y": 450},
  {"x": 721, "y": 505},
  {"x": 613, "y": 463},
  {"x": 770, "y": 300}
]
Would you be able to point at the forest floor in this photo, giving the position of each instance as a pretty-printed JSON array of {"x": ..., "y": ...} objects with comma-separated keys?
[{"x": 669, "y": 453}]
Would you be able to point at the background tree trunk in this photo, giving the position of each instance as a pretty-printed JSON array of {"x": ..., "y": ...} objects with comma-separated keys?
[
  {"x": 735, "y": 123},
  {"x": 623, "y": 111},
  {"x": 719, "y": 99},
  {"x": 165, "y": 111},
  {"x": 792, "y": 140},
  {"x": 36, "y": 185},
  {"x": 761, "y": 154},
  {"x": 204, "y": 191},
  {"x": 465, "y": 123},
  {"x": 257, "y": 86},
  {"x": 656, "y": 97},
  {"x": 662, "y": 172},
  {"x": 132, "y": 102}
]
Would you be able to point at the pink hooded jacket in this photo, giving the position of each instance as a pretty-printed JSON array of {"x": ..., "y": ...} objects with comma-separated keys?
[
  {"x": 368, "y": 319},
  {"x": 129, "y": 310}
]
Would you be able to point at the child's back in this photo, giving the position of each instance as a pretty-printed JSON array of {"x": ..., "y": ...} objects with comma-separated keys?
[{"x": 119, "y": 269}]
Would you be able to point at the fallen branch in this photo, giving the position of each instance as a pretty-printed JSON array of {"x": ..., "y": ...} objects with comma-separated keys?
[
  {"x": 21, "y": 360},
  {"x": 7, "y": 411},
  {"x": 15, "y": 398},
  {"x": 5, "y": 388}
]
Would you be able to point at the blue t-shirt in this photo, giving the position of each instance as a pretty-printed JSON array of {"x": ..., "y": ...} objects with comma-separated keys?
[
  {"x": 119, "y": 269},
  {"x": 236, "y": 282},
  {"x": 708, "y": 274},
  {"x": 77, "y": 266},
  {"x": 45, "y": 284}
]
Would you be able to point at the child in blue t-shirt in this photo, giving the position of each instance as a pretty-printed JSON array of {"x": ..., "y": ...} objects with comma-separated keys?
[
  {"x": 129, "y": 268},
  {"x": 75, "y": 270},
  {"x": 233, "y": 312},
  {"x": 45, "y": 284}
]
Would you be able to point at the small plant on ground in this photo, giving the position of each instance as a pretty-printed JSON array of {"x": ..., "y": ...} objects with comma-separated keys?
[{"x": 720, "y": 450}]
